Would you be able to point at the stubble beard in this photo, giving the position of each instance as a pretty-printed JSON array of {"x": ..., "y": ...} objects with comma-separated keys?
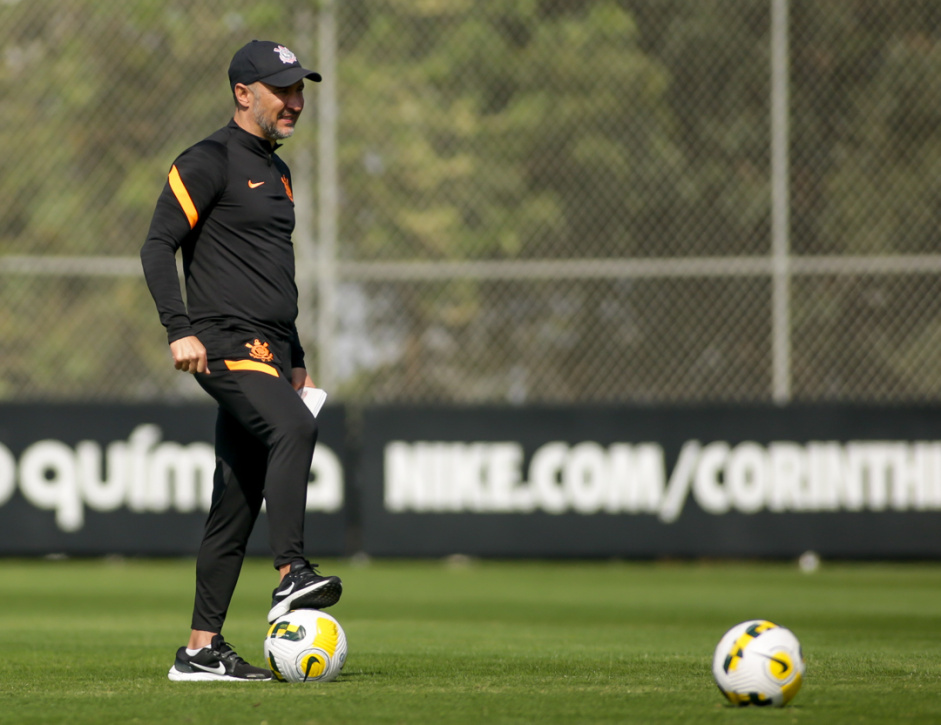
[{"x": 269, "y": 128}]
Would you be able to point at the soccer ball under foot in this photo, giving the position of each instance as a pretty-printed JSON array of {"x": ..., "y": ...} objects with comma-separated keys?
[{"x": 305, "y": 645}]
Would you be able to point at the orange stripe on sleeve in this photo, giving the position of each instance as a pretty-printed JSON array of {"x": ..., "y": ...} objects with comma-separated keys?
[
  {"x": 251, "y": 365},
  {"x": 183, "y": 196}
]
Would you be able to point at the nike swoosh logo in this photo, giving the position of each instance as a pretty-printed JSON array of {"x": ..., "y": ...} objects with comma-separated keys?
[
  {"x": 254, "y": 184},
  {"x": 219, "y": 669},
  {"x": 286, "y": 591},
  {"x": 783, "y": 663}
]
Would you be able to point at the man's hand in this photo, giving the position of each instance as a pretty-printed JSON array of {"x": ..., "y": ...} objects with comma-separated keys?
[
  {"x": 300, "y": 379},
  {"x": 189, "y": 355}
]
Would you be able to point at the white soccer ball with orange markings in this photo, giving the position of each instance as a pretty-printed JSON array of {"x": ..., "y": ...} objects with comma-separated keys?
[
  {"x": 305, "y": 645},
  {"x": 759, "y": 663}
]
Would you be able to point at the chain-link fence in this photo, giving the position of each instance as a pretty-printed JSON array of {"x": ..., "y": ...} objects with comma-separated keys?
[{"x": 540, "y": 201}]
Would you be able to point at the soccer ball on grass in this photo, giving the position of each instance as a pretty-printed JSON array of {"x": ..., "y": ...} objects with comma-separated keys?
[
  {"x": 305, "y": 645},
  {"x": 758, "y": 663}
]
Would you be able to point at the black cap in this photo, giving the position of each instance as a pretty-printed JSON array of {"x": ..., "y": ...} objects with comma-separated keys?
[{"x": 271, "y": 63}]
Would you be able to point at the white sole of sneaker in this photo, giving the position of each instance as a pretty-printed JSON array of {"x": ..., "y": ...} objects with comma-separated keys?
[{"x": 176, "y": 676}]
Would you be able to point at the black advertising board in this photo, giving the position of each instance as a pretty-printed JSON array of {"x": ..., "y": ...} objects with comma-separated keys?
[
  {"x": 651, "y": 482},
  {"x": 496, "y": 481},
  {"x": 137, "y": 480}
]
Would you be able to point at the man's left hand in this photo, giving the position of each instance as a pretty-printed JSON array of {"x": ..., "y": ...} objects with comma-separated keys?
[{"x": 300, "y": 379}]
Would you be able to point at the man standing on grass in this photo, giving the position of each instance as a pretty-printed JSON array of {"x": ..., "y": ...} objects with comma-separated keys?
[{"x": 228, "y": 205}]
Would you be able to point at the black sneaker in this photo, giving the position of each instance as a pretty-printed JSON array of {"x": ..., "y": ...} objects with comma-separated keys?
[
  {"x": 216, "y": 663},
  {"x": 304, "y": 588}
]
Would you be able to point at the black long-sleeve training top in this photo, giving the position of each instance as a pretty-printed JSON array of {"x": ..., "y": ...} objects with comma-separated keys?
[{"x": 228, "y": 204}]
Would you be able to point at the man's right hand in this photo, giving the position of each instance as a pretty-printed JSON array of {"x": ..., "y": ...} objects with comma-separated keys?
[{"x": 189, "y": 355}]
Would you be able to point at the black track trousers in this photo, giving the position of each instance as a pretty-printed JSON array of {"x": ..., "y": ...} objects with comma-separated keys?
[{"x": 265, "y": 438}]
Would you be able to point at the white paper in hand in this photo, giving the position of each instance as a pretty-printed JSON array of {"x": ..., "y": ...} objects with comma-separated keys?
[{"x": 314, "y": 399}]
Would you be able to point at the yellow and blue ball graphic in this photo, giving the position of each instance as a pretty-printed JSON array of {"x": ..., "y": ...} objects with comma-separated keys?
[
  {"x": 758, "y": 662},
  {"x": 305, "y": 645}
]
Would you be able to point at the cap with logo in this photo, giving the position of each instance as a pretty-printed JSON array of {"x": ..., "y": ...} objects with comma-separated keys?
[{"x": 271, "y": 63}]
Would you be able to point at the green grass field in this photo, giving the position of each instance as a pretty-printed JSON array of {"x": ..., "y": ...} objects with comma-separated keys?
[{"x": 486, "y": 642}]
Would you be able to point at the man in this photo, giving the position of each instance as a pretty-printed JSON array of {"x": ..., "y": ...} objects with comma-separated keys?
[{"x": 228, "y": 205}]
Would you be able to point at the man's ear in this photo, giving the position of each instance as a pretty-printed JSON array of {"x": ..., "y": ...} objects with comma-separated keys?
[{"x": 243, "y": 96}]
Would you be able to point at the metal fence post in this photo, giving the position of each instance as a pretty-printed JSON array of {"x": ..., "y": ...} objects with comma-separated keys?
[
  {"x": 780, "y": 205},
  {"x": 327, "y": 208}
]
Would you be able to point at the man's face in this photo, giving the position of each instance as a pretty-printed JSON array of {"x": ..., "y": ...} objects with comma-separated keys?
[{"x": 276, "y": 110}]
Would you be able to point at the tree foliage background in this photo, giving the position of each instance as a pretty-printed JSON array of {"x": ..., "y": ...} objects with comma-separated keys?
[{"x": 501, "y": 165}]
